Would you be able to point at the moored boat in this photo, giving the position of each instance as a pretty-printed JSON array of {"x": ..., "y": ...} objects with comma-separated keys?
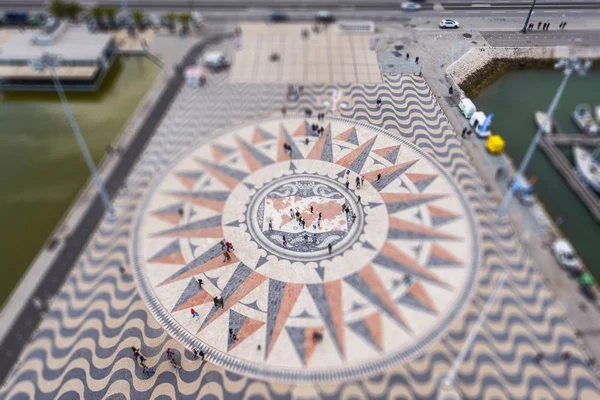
[
  {"x": 588, "y": 167},
  {"x": 597, "y": 113},
  {"x": 582, "y": 116},
  {"x": 540, "y": 118}
]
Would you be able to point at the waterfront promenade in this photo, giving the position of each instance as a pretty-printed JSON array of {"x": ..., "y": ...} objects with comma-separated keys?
[{"x": 83, "y": 344}]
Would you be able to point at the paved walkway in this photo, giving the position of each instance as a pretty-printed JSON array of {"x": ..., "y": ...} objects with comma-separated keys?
[
  {"x": 83, "y": 345},
  {"x": 30, "y": 316},
  {"x": 321, "y": 57}
]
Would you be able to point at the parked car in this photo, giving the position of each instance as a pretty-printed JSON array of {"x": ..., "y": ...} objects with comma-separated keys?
[
  {"x": 197, "y": 19},
  {"x": 152, "y": 21},
  {"x": 565, "y": 255},
  {"x": 449, "y": 24},
  {"x": 278, "y": 16},
  {"x": 324, "y": 17},
  {"x": 216, "y": 60},
  {"x": 410, "y": 6}
]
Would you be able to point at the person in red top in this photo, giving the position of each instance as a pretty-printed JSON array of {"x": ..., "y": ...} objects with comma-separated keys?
[{"x": 194, "y": 313}]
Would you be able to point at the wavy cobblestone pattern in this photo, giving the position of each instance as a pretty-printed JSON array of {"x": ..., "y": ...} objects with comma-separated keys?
[{"x": 82, "y": 348}]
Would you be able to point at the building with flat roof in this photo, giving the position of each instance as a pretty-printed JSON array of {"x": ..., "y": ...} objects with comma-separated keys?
[{"x": 85, "y": 59}]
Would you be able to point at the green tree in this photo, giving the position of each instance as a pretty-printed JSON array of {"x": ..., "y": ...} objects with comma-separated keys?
[
  {"x": 185, "y": 19},
  {"x": 171, "y": 17},
  {"x": 58, "y": 9},
  {"x": 72, "y": 10},
  {"x": 111, "y": 14},
  {"x": 138, "y": 18},
  {"x": 97, "y": 14}
]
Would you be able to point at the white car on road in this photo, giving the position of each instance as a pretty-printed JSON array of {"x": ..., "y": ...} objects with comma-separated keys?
[
  {"x": 410, "y": 6},
  {"x": 565, "y": 255},
  {"x": 449, "y": 24}
]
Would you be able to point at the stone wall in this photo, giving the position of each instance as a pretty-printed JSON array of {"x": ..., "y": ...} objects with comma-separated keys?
[{"x": 480, "y": 66}]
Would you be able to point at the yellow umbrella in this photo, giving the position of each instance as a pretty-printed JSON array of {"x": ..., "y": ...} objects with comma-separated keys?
[{"x": 495, "y": 144}]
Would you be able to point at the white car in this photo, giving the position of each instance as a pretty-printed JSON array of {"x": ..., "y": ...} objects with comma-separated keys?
[
  {"x": 197, "y": 19},
  {"x": 565, "y": 255},
  {"x": 410, "y": 6},
  {"x": 216, "y": 60},
  {"x": 324, "y": 17},
  {"x": 449, "y": 24}
]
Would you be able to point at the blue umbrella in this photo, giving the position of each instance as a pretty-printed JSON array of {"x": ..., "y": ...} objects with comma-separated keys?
[{"x": 486, "y": 124}]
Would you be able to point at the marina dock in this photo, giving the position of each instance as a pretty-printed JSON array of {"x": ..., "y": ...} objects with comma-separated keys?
[{"x": 551, "y": 143}]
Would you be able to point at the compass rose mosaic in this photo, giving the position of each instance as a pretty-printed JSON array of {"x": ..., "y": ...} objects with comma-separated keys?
[{"x": 352, "y": 250}]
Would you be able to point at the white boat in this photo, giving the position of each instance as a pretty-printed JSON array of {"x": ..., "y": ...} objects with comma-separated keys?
[
  {"x": 588, "y": 167},
  {"x": 597, "y": 114},
  {"x": 565, "y": 255},
  {"x": 540, "y": 117},
  {"x": 582, "y": 116}
]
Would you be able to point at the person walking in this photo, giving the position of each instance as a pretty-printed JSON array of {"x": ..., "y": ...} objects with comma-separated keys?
[
  {"x": 417, "y": 60},
  {"x": 136, "y": 352},
  {"x": 176, "y": 366},
  {"x": 194, "y": 313},
  {"x": 378, "y": 176},
  {"x": 200, "y": 282},
  {"x": 320, "y": 215},
  {"x": 347, "y": 184},
  {"x": 226, "y": 256},
  {"x": 312, "y": 209},
  {"x": 169, "y": 354},
  {"x": 378, "y": 102},
  {"x": 464, "y": 131},
  {"x": 201, "y": 354},
  {"x": 362, "y": 180},
  {"x": 329, "y": 247},
  {"x": 539, "y": 25},
  {"x": 270, "y": 225},
  {"x": 147, "y": 371},
  {"x": 284, "y": 241},
  {"x": 407, "y": 56}
]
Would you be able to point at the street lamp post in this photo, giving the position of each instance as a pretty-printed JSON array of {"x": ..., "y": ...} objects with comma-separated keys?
[
  {"x": 524, "y": 30},
  {"x": 569, "y": 66},
  {"x": 50, "y": 62}
]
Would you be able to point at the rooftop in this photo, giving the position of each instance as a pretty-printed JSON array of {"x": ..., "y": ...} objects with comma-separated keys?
[{"x": 75, "y": 44}]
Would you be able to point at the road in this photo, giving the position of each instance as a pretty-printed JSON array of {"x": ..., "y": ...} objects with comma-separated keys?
[{"x": 324, "y": 4}]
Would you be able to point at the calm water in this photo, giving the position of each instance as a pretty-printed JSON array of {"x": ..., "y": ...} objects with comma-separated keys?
[
  {"x": 513, "y": 99},
  {"x": 42, "y": 166}
]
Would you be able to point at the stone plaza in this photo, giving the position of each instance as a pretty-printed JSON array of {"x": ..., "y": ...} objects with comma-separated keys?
[{"x": 361, "y": 259}]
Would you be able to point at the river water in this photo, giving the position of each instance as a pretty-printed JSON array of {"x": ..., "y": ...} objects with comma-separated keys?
[
  {"x": 42, "y": 166},
  {"x": 513, "y": 99}
]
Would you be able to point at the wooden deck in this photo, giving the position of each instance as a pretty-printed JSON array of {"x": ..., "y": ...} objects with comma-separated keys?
[
  {"x": 570, "y": 139},
  {"x": 26, "y": 72},
  {"x": 569, "y": 173}
]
